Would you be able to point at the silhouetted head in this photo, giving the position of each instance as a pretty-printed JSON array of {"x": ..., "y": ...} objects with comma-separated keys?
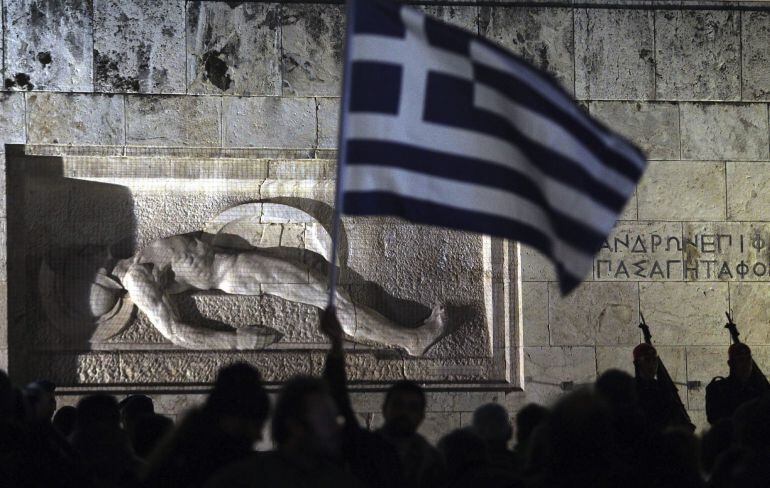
[
  {"x": 147, "y": 433},
  {"x": 740, "y": 361},
  {"x": 752, "y": 425},
  {"x": 41, "y": 399},
  {"x": 646, "y": 361},
  {"x": 404, "y": 408},
  {"x": 462, "y": 449},
  {"x": 98, "y": 412},
  {"x": 492, "y": 423},
  {"x": 528, "y": 419},
  {"x": 580, "y": 434},
  {"x": 305, "y": 418},
  {"x": 64, "y": 420},
  {"x": 134, "y": 407},
  {"x": 239, "y": 401},
  {"x": 617, "y": 388}
]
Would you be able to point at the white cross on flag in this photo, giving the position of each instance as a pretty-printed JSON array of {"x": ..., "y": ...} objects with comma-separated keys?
[{"x": 442, "y": 127}]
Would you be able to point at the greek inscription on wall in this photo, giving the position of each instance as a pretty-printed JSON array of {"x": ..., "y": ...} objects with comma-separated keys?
[{"x": 638, "y": 255}]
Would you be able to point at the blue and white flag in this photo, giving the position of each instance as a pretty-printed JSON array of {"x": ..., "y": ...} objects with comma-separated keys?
[{"x": 442, "y": 127}]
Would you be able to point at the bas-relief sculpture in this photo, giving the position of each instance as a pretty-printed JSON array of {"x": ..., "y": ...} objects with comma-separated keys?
[
  {"x": 82, "y": 325},
  {"x": 220, "y": 257}
]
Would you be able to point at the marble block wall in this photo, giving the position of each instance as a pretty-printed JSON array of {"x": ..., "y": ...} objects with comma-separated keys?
[{"x": 690, "y": 86}]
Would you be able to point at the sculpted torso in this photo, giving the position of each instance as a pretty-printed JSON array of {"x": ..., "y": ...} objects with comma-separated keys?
[{"x": 189, "y": 259}]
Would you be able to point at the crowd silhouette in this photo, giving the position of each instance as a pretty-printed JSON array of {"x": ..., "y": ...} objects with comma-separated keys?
[{"x": 621, "y": 431}]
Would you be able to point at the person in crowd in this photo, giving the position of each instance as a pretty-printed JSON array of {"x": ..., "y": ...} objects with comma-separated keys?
[
  {"x": 17, "y": 466},
  {"x": 41, "y": 400},
  {"x": 132, "y": 408},
  {"x": 103, "y": 446},
  {"x": 746, "y": 463},
  {"x": 147, "y": 433},
  {"x": 371, "y": 460},
  {"x": 64, "y": 420},
  {"x": 655, "y": 399},
  {"x": 725, "y": 395},
  {"x": 492, "y": 424},
  {"x": 468, "y": 462},
  {"x": 633, "y": 433},
  {"x": 63, "y": 465},
  {"x": 404, "y": 411},
  {"x": 527, "y": 456},
  {"x": 581, "y": 446},
  {"x": 368, "y": 456},
  {"x": 308, "y": 442},
  {"x": 221, "y": 432}
]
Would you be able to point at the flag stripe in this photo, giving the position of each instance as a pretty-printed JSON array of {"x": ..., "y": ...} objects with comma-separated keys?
[
  {"x": 492, "y": 56},
  {"x": 373, "y": 19},
  {"x": 610, "y": 149},
  {"x": 472, "y": 197},
  {"x": 387, "y": 50},
  {"x": 458, "y": 168},
  {"x": 479, "y": 146},
  {"x": 463, "y": 114},
  {"x": 425, "y": 212},
  {"x": 523, "y": 94},
  {"x": 535, "y": 127}
]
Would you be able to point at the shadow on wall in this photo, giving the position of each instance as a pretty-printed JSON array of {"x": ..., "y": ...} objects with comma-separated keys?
[{"x": 72, "y": 227}]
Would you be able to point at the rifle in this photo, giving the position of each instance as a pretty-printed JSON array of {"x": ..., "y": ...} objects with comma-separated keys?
[
  {"x": 757, "y": 374},
  {"x": 663, "y": 376}
]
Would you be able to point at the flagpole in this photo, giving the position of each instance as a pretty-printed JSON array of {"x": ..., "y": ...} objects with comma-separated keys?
[{"x": 341, "y": 152}]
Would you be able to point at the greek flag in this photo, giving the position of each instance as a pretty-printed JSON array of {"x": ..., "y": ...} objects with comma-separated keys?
[{"x": 442, "y": 127}]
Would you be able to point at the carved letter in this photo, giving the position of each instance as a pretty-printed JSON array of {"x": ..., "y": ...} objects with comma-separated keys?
[
  {"x": 708, "y": 243},
  {"x": 725, "y": 271},
  {"x": 656, "y": 241},
  {"x": 621, "y": 269},
  {"x": 639, "y": 243},
  {"x": 668, "y": 266},
  {"x": 656, "y": 269},
  {"x": 708, "y": 267},
  {"x": 719, "y": 241},
  {"x": 624, "y": 243},
  {"x": 639, "y": 265},
  {"x": 599, "y": 267},
  {"x": 676, "y": 240},
  {"x": 742, "y": 269}
]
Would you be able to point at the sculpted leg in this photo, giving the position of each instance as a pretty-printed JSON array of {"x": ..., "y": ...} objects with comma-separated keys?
[
  {"x": 296, "y": 282},
  {"x": 151, "y": 298},
  {"x": 363, "y": 323}
]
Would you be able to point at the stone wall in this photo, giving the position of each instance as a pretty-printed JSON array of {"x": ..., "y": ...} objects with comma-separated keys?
[{"x": 690, "y": 86}]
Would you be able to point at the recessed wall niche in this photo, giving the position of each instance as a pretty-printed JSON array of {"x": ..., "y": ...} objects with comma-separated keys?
[{"x": 73, "y": 213}]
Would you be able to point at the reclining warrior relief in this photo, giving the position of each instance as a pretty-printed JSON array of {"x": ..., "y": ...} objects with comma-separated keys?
[{"x": 217, "y": 258}]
